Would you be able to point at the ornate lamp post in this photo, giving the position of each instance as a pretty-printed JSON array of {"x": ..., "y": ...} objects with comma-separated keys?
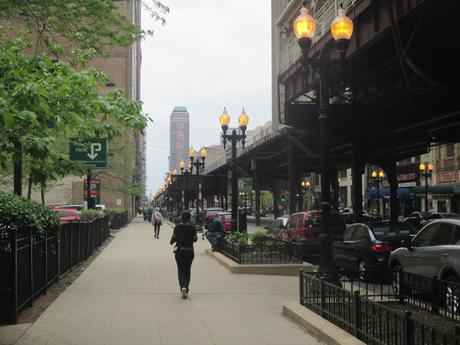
[
  {"x": 195, "y": 162},
  {"x": 378, "y": 177},
  {"x": 234, "y": 138},
  {"x": 185, "y": 172},
  {"x": 426, "y": 170},
  {"x": 342, "y": 30}
]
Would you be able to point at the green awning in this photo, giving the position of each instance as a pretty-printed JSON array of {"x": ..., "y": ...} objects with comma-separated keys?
[{"x": 440, "y": 190}]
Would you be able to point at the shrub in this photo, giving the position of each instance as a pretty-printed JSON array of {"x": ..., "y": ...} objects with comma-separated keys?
[
  {"x": 89, "y": 215},
  {"x": 117, "y": 210},
  {"x": 258, "y": 238},
  {"x": 19, "y": 213},
  {"x": 239, "y": 238}
]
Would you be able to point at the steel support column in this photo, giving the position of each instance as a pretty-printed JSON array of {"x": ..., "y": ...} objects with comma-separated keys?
[
  {"x": 357, "y": 170},
  {"x": 292, "y": 180}
]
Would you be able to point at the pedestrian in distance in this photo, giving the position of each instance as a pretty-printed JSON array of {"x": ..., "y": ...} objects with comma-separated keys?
[
  {"x": 184, "y": 235},
  {"x": 215, "y": 231},
  {"x": 156, "y": 221},
  {"x": 150, "y": 213}
]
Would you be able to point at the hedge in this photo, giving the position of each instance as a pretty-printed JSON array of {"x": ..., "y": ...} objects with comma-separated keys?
[{"x": 19, "y": 213}]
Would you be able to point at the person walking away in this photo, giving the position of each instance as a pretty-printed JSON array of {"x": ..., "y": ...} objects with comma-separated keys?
[
  {"x": 156, "y": 221},
  {"x": 150, "y": 213},
  {"x": 184, "y": 235},
  {"x": 216, "y": 231}
]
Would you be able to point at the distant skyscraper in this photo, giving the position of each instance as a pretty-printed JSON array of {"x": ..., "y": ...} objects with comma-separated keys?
[{"x": 178, "y": 137}]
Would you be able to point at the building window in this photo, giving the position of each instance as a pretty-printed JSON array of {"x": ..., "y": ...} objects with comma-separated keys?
[{"x": 449, "y": 150}]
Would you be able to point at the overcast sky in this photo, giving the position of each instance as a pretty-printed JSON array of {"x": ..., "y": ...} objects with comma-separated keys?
[{"x": 210, "y": 54}]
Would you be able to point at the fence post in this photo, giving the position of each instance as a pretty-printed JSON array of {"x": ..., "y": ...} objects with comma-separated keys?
[
  {"x": 434, "y": 294},
  {"x": 46, "y": 260},
  {"x": 15, "y": 278},
  {"x": 31, "y": 263},
  {"x": 357, "y": 316},
  {"x": 400, "y": 283},
  {"x": 71, "y": 245},
  {"x": 322, "y": 296},
  {"x": 301, "y": 286},
  {"x": 59, "y": 252},
  {"x": 408, "y": 329}
]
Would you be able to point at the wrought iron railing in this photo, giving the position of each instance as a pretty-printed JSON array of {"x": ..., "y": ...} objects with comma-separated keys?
[
  {"x": 277, "y": 253},
  {"x": 365, "y": 310},
  {"x": 31, "y": 262}
]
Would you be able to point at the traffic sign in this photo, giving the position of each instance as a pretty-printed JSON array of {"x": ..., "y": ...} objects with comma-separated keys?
[
  {"x": 245, "y": 184},
  {"x": 95, "y": 190},
  {"x": 93, "y": 152}
]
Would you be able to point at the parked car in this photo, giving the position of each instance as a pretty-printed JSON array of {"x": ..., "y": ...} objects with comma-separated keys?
[
  {"x": 67, "y": 214},
  {"x": 74, "y": 207},
  {"x": 226, "y": 219},
  {"x": 415, "y": 219},
  {"x": 305, "y": 227},
  {"x": 438, "y": 215},
  {"x": 434, "y": 251},
  {"x": 274, "y": 229},
  {"x": 366, "y": 248},
  {"x": 211, "y": 212},
  {"x": 349, "y": 216}
]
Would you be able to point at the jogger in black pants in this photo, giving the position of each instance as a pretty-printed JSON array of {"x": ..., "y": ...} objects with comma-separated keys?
[{"x": 184, "y": 235}]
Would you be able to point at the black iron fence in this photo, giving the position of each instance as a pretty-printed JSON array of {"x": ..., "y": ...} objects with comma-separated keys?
[
  {"x": 31, "y": 262},
  {"x": 118, "y": 220},
  {"x": 439, "y": 296},
  {"x": 277, "y": 253},
  {"x": 363, "y": 309}
]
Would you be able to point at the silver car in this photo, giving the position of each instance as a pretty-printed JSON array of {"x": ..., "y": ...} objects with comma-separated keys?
[
  {"x": 434, "y": 251},
  {"x": 273, "y": 230}
]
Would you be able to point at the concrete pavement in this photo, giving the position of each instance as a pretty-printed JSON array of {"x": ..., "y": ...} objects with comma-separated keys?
[{"x": 130, "y": 296}]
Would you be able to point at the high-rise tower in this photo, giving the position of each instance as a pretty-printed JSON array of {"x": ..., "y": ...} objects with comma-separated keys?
[{"x": 179, "y": 138}]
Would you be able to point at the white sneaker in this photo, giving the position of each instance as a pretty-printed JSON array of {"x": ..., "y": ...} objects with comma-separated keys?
[{"x": 184, "y": 293}]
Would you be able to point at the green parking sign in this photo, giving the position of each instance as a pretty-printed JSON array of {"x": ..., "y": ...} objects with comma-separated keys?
[{"x": 93, "y": 152}]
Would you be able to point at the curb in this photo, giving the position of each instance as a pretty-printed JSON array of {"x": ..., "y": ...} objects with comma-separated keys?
[
  {"x": 263, "y": 269},
  {"x": 318, "y": 327}
]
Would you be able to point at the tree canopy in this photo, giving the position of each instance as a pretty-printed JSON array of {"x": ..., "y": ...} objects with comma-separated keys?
[{"x": 89, "y": 25}]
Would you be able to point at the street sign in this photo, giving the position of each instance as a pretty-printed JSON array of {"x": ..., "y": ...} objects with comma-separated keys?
[
  {"x": 93, "y": 153},
  {"x": 94, "y": 191},
  {"x": 245, "y": 184}
]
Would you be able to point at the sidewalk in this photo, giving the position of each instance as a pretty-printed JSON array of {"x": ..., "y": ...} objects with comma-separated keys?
[{"x": 130, "y": 296}]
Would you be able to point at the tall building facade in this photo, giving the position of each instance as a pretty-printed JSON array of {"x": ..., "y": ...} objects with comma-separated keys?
[{"x": 179, "y": 137}]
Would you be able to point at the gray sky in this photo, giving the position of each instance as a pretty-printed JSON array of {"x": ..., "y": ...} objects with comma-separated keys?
[{"x": 210, "y": 54}]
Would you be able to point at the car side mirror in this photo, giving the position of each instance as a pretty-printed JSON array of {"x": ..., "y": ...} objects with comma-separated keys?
[{"x": 407, "y": 243}]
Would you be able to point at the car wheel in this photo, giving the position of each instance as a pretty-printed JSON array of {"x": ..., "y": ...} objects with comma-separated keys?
[
  {"x": 395, "y": 277},
  {"x": 453, "y": 294},
  {"x": 363, "y": 274}
]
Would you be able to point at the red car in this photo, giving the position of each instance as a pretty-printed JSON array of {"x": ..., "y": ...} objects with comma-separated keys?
[
  {"x": 226, "y": 219},
  {"x": 305, "y": 227},
  {"x": 67, "y": 214}
]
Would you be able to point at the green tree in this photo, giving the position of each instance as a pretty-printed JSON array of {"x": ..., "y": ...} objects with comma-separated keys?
[
  {"x": 42, "y": 100},
  {"x": 88, "y": 25}
]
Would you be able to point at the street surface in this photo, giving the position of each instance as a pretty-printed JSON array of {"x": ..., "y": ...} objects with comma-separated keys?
[{"x": 130, "y": 296}]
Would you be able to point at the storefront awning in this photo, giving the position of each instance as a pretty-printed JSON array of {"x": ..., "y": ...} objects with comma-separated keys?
[
  {"x": 440, "y": 190},
  {"x": 385, "y": 193}
]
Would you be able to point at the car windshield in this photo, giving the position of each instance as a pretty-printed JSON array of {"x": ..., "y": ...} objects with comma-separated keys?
[
  {"x": 384, "y": 231},
  {"x": 66, "y": 214},
  {"x": 226, "y": 216}
]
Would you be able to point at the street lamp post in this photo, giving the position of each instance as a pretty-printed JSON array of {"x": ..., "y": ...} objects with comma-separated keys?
[
  {"x": 342, "y": 30},
  {"x": 234, "y": 138},
  {"x": 426, "y": 170},
  {"x": 195, "y": 162},
  {"x": 305, "y": 188},
  {"x": 378, "y": 177},
  {"x": 184, "y": 172}
]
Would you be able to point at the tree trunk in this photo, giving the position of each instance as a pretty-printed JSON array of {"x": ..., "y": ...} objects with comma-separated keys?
[
  {"x": 17, "y": 168},
  {"x": 42, "y": 192},
  {"x": 29, "y": 188}
]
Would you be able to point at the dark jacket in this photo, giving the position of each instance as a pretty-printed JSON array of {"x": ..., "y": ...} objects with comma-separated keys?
[
  {"x": 216, "y": 226},
  {"x": 184, "y": 235}
]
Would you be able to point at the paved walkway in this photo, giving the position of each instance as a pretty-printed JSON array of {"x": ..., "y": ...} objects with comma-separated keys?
[{"x": 130, "y": 296}]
